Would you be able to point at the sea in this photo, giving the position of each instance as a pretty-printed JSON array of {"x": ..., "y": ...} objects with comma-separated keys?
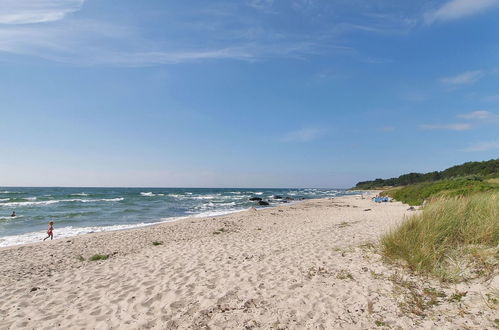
[{"x": 78, "y": 211}]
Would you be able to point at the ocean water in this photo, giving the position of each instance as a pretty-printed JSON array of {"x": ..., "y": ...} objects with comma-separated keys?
[{"x": 77, "y": 211}]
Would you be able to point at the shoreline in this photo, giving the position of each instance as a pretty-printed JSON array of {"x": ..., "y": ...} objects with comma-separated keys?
[
  {"x": 313, "y": 264},
  {"x": 145, "y": 225}
]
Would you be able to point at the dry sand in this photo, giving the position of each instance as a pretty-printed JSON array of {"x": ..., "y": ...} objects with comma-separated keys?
[{"x": 312, "y": 265}]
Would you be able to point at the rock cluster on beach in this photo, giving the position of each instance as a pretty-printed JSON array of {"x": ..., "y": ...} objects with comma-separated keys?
[{"x": 275, "y": 198}]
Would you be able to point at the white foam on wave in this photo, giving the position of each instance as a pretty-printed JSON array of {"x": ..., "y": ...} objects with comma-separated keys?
[
  {"x": 4, "y": 199},
  {"x": 117, "y": 199},
  {"x": 206, "y": 196},
  {"x": 150, "y": 194},
  {"x": 19, "y": 204},
  {"x": 29, "y": 203},
  {"x": 10, "y": 217},
  {"x": 80, "y": 194},
  {"x": 30, "y": 198},
  {"x": 217, "y": 213},
  {"x": 176, "y": 195},
  {"x": 211, "y": 205}
]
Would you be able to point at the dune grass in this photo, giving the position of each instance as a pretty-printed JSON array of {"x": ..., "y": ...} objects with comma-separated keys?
[
  {"x": 415, "y": 194},
  {"x": 97, "y": 257},
  {"x": 454, "y": 238}
]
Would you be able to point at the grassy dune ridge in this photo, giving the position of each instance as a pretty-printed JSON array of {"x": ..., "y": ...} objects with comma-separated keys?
[
  {"x": 416, "y": 194},
  {"x": 453, "y": 238}
]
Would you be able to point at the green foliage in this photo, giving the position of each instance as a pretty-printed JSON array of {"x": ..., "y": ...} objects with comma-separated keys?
[
  {"x": 449, "y": 230},
  {"x": 457, "y": 296},
  {"x": 485, "y": 169},
  {"x": 155, "y": 243},
  {"x": 96, "y": 257},
  {"x": 415, "y": 194}
]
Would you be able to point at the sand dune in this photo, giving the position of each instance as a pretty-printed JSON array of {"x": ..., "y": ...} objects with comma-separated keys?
[{"x": 312, "y": 265}]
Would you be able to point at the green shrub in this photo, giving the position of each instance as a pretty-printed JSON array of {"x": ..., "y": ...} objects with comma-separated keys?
[
  {"x": 450, "y": 233},
  {"x": 156, "y": 243},
  {"x": 96, "y": 257}
]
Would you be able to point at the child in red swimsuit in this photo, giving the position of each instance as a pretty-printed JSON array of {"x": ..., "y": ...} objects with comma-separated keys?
[{"x": 50, "y": 231}]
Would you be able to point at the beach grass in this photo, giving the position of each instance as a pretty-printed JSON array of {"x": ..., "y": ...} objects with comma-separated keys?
[
  {"x": 97, "y": 257},
  {"x": 416, "y": 194},
  {"x": 454, "y": 238}
]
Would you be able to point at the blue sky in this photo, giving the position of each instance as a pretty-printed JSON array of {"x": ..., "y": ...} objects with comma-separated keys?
[{"x": 255, "y": 93}]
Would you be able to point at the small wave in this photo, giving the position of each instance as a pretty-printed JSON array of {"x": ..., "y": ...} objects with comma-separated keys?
[
  {"x": 29, "y": 203},
  {"x": 150, "y": 194},
  {"x": 11, "y": 218},
  {"x": 4, "y": 199},
  {"x": 206, "y": 196},
  {"x": 176, "y": 195},
  {"x": 62, "y": 201},
  {"x": 117, "y": 199},
  {"x": 80, "y": 194},
  {"x": 30, "y": 198},
  {"x": 217, "y": 213},
  {"x": 259, "y": 193}
]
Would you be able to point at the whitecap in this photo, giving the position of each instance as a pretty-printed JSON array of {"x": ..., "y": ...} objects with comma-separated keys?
[
  {"x": 205, "y": 196},
  {"x": 29, "y": 203},
  {"x": 150, "y": 194},
  {"x": 20, "y": 204}
]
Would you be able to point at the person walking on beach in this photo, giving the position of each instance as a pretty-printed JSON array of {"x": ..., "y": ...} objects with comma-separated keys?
[{"x": 50, "y": 231}]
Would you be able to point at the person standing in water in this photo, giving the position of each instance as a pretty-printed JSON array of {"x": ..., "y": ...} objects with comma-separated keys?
[
  {"x": 50, "y": 231},
  {"x": 13, "y": 214}
]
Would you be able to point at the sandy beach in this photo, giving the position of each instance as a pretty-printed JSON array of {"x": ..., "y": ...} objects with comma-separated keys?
[{"x": 310, "y": 265}]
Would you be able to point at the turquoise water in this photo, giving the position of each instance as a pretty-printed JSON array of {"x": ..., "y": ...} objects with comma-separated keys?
[{"x": 83, "y": 210}]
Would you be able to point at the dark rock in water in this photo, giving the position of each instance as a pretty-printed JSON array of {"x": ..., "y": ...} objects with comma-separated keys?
[
  {"x": 264, "y": 203},
  {"x": 289, "y": 198},
  {"x": 284, "y": 201},
  {"x": 255, "y": 199},
  {"x": 277, "y": 197},
  {"x": 302, "y": 198}
]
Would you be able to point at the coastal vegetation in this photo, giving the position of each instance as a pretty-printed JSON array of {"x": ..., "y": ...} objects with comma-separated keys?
[
  {"x": 456, "y": 235},
  {"x": 453, "y": 238},
  {"x": 416, "y": 194},
  {"x": 486, "y": 169}
]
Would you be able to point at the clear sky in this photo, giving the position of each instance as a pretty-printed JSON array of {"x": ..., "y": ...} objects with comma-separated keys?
[{"x": 255, "y": 93}]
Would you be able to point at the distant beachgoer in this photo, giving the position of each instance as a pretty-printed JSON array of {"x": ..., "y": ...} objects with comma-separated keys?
[
  {"x": 50, "y": 231},
  {"x": 13, "y": 214}
]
